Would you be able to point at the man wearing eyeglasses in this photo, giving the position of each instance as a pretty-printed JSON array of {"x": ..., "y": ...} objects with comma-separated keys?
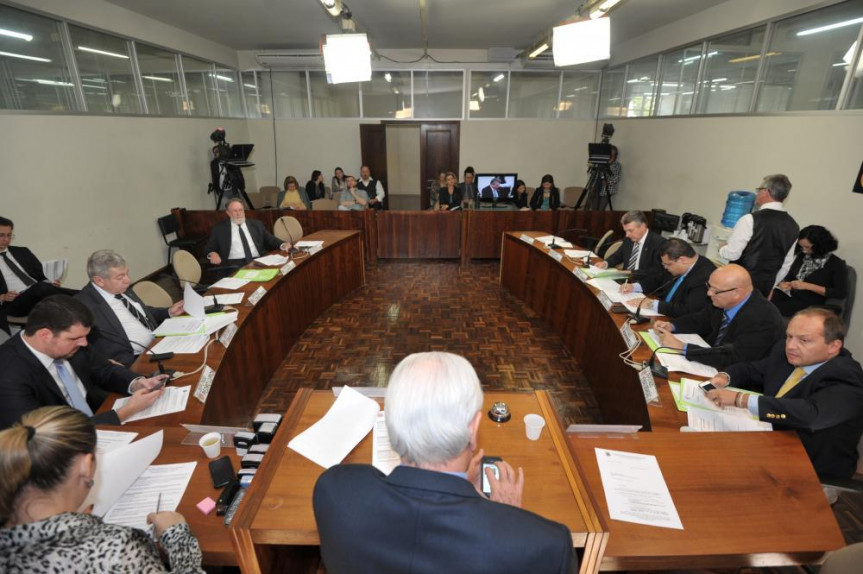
[
  {"x": 740, "y": 325},
  {"x": 763, "y": 242},
  {"x": 22, "y": 282}
]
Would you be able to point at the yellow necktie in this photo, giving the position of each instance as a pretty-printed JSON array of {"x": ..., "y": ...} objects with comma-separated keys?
[{"x": 791, "y": 382}]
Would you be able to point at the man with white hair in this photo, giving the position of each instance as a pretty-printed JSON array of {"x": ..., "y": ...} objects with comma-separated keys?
[{"x": 428, "y": 515}]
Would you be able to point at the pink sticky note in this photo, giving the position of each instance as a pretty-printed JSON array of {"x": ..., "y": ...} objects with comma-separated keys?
[{"x": 206, "y": 506}]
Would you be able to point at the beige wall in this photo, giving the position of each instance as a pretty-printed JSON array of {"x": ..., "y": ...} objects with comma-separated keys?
[{"x": 403, "y": 162}]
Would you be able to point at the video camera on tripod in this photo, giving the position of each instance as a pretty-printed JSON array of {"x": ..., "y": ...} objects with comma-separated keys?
[
  {"x": 226, "y": 168},
  {"x": 599, "y": 158}
]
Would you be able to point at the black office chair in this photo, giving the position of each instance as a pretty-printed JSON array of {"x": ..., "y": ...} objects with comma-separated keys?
[
  {"x": 844, "y": 306},
  {"x": 169, "y": 225}
]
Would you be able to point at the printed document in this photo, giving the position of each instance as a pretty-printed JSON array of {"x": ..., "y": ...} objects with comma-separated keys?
[
  {"x": 272, "y": 260},
  {"x": 558, "y": 241},
  {"x": 224, "y": 299},
  {"x": 182, "y": 345},
  {"x": 182, "y": 325},
  {"x": 578, "y": 253},
  {"x": 384, "y": 458},
  {"x": 173, "y": 400},
  {"x": 108, "y": 440},
  {"x": 161, "y": 485},
  {"x": 229, "y": 283},
  {"x": 118, "y": 469}
]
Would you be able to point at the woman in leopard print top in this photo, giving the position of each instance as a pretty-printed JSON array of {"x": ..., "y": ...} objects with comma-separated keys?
[{"x": 47, "y": 463}]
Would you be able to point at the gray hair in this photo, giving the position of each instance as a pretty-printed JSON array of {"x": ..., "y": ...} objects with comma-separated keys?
[
  {"x": 101, "y": 262},
  {"x": 431, "y": 400},
  {"x": 237, "y": 200},
  {"x": 778, "y": 186},
  {"x": 634, "y": 216}
]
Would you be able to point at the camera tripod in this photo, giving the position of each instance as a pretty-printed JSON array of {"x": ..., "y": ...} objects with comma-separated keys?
[
  {"x": 233, "y": 184},
  {"x": 590, "y": 195}
]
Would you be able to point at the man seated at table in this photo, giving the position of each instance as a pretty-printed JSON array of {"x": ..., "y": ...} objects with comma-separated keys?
[
  {"x": 50, "y": 364},
  {"x": 237, "y": 240},
  {"x": 122, "y": 324},
  {"x": 740, "y": 325},
  {"x": 428, "y": 515},
  {"x": 687, "y": 293},
  {"x": 811, "y": 384},
  {"x": 638, "y": 254}
]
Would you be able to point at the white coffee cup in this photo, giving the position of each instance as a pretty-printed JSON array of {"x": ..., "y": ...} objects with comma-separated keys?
[
  {"x": 211, "y": 443},
  {"x": 533, "y": 426}
]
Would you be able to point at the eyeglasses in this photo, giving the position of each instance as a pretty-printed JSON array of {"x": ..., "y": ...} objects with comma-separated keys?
[
  {"x": 718, "y": 291},
  {"x": 761, "y": 188},
  {"x": 7, "y": 235}
]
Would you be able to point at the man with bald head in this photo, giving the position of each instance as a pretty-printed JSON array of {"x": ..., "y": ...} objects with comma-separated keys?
[
  {"x": 811, "y": 384},
  {"x": 740, "y": 325}
]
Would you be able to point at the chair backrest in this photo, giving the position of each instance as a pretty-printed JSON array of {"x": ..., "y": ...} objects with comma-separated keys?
[
  {"x": 571, "y": 195},
  {"x": 529, "y": 191},
  {"x": 844, "y": 560},
  {"x": 846, "y": 305},
  {"x": 612, "y": 249},
  {"x": 152, "y": 294},
  {"x": 324, "y": 205},
  {"x": 186, "y": 267},
  {"x": 167, "y": 225},
  {"x": 287, "y": 228},
  {"x": 602, "y": 242},
  {"x": 269, "y": 194}
]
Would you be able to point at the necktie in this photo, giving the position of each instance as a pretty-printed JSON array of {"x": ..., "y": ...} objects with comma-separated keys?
[
  {"x": 19, "y": 273},
  {"x": 246, "y": 249},
  {"x": 633, "y": 259},
  {"x": 674, "y": 288},
  {"x": 72, "y": 390},
  {"x": 141, "y": 317},
  {"x": 795, "y": 377},
  {"x": 723, "y": 328}
]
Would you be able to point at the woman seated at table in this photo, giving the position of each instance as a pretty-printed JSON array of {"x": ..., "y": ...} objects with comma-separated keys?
[
  {"x": 815, "y": 275},
  {"x": 520, "y": 196},
  {"x": 294, "y": 197},
  {"x": 315, "y": 188},
  {"x": 547, "y": 196},
  {"x": 436, "y": 186},
  {"x": 353, "y": 198},
  {"x": 47, "y": 465},
  {"x": 339, "y": 183},
  {"x": 449, "y": 196}
]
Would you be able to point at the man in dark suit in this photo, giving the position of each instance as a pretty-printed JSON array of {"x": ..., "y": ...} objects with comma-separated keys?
[
  {"x": 687, "y": 293},
  {"x": 49, "y": 364},
  {"x": 638, "y": 254},
  {"x": 22, "y": 282},
  {"x": 811, "y": 384},
  {"x": 495, "y": 190},
  {"x": 237, "y": 240},
  {"x": 468, "y": 187},
  {"x": 740, "y": 325},
  {"x": 428, "y": 515},
  {"x": 123, "y": 325}
]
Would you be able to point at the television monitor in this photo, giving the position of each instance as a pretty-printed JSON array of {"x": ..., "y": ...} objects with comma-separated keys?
[{"x": 505, "y": 186}]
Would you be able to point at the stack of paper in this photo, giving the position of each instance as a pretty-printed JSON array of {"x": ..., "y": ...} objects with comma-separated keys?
[
  {"x": 224, "y": 299},
  {"x": 558, "y": 241},
  {"x": 594, "y": 271},
  {"x": 173, "y": 400},
  {"x": 181, "y": 345},
  {"x": 704, "y": 415},
  {"x": 107, "y": 440},
  {"x": 272, "y": 260}
]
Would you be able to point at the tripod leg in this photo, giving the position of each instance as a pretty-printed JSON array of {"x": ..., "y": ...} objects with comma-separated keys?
[
  {"x": 246, "y": 197},
  {"x": 585, "y": 192},
  {"x": 610, "y": 208}
]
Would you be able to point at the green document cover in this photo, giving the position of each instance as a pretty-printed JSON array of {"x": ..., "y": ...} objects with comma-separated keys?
[{"x": 259, "y": 275}]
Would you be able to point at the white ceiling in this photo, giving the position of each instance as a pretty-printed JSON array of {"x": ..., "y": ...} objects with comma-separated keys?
[{"x": 396, "y": 24}]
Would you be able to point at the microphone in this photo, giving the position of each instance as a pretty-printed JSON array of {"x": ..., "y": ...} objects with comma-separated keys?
[
  {"x": 158, "y": 358},
  {"x": 216, "y": 306},
  {"x": 291, "y": 249},
  {"x": 636, "y": 318},
  {"x": 656, "y": 368},
  {"x": 553, "y": 237}
]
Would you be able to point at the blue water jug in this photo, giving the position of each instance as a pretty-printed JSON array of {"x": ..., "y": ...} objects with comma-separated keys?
[{"x": 738, "y": 204}]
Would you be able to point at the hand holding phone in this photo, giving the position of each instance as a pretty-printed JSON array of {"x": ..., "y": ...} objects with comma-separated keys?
[
  {"x": 488, "y": 462},
  {"x": 707, "y": 386}
]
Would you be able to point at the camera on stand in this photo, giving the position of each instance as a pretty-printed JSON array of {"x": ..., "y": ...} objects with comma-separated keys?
[
  {"x": 226, "y": 168},
  {"x": 598, "y": 158}
]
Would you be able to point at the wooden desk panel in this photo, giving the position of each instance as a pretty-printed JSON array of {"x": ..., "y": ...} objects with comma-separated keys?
[
  {"x": 486, "y": 228},
  {"x": 419, "y": 234},
  {"x": 745, "y": 499}
]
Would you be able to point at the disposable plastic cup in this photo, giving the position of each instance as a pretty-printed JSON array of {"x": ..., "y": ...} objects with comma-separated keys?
[
  {"x": 211, "y": 443},
  {"x": 533, "y": 426}
]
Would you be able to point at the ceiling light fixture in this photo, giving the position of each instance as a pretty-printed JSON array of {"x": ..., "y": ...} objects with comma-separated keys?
[
  {"x": 158, "y": 79},
  {"x": 333, "y": 7},
  {"x": 581, "y": 42},
  {"x": 538, "y": 51},
  {"x": 750, "y": 58},
  {"x": 14, "y": 34},
  {"x": 347, "y": 58},
  {"x": 103, "y": 52},
  {"x": 499, "y": 77},
  {"x": 819, "y": 29},
  {"x": 603, "y": 9},
  {"x": 23, "y": 57}
]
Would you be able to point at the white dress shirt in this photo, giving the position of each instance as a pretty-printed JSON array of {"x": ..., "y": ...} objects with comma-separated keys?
[
  {"x": 135, "y": 331},
  {"x": 48, "y": 363},
  {"x": 640, "y": 243},
  {"x": 13, "y": 283},
  {"x": 379, "y": 189},
  {"x": 743, "y": 233},
  {"x": 237, "y": 244}
]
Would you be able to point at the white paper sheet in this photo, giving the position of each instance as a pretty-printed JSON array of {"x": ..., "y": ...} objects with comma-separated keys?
[
  {"x": 606, "y": 285},
  {"x": 578, "y": 253},
  {"x": 182, "y": 325},
  {"x": 193, "y": 303},
  {"x": 55, "y": 269},
  {"x": 308, "y": 243},
  {"x": 272, "y": 260},
  {"x": 182, "y": 345},
  {"x": 118, "y": 469},
  {"x": 229, "y": 283},
  {"x": 688, "y": 338},
  {"x": 635, "y": 489},
  {"x": 216, "y": 321},
  {"x": 558, "y": 241},
  {"x": 708, "y": 421},
  {"x": 644, "y": 311},
  {"x": 224, "y": 299},
  {"x": 331, "y": 439},
  {"x": 140, "y": 499},
  {"x": 173, "y": 400},
  {"x": 680, "y": 364},
  {"x": 107, "y": 440},
  {"x": 384, "y": 458}
]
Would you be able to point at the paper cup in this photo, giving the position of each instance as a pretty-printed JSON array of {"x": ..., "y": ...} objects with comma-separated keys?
[
  {"x": 211, "y": 443},
  {"x": 533, "y": 426}
]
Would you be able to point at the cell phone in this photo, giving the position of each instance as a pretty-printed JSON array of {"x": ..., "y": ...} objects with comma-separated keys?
[
  {"x": 488, "y": 462},
  {"x": 707, "y": 386},
  {"x": 156, "y": 357},
  {"x": 222, "y": 472}
]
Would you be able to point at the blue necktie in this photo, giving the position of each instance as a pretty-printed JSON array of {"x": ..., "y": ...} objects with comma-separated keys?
[
  {"x": 72, "y": 389},
  {"x": 723, "y": 328},
  {"x": 674, "y": 288}
]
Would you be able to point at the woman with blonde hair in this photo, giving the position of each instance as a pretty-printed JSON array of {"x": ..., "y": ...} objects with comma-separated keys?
[
  {"x": 293, "y": 197},
  {"x": 47, "y": 465}
]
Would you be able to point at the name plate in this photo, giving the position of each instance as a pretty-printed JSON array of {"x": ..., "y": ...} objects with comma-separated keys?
[
  {"x": 580, "y": 274},
  {"x": 632, "y": 340},
  {"x": 315, "y": 249},
  {"x": 603, "y": 298},
  {"x": 556, "y": 255},
  {"x": 228, "y": 334},
  {"x": 648, "y": 385},
  {"x": 286, "y": 268},
  {"x": 256, "y": 295},
  {"x": 526, "y": 238},
  {"x": 204, "y": 384}
]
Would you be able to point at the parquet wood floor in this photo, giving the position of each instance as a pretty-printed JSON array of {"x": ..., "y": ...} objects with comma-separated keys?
[{"x": 413, "y": 306}]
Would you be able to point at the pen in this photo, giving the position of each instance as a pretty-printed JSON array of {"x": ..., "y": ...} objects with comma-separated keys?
[{"x": 159, "y": 502}]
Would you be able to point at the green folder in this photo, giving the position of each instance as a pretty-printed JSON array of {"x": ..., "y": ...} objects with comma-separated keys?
[
  {"x": 258, "y": 275},
  {"x": 606, "y": 273},
  {"x": 652, "y": 343}
]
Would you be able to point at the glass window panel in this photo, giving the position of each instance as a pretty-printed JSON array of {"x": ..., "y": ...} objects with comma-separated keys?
[
  {"x": 855, "y": 102},
  {"x": 487, "y": 95},
  {"x": 639, "y": 88},
  {"x": 290, "y": 97},
  {"x": 250, "y": 90},
  {"x": 334, "y": 100},
  {"x": 387, "y": 95},
  {"x": 265, "y": 85},
  {"x": 438, "y": 94},
  {"x": 611, "y": 96},
  {"x": 730, "y": 66},
  {"x": 161, "y": 81},
  {"x": 578, "y": 96},
  {"x": 533, "y": 94},
  {"x": 679, "y": 73},
  {"x": 806, "y": 72},
  {"x": 200, "y": 87},
  {"x": 33, "y": 70},
  {"x": 105, "y": 68},
  {"x": 228, "y": 91}
]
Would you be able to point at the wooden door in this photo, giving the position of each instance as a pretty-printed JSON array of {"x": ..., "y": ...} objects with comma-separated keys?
[
  {"x": 439, "y": 150},
  {"x": 373, "y": 149}
]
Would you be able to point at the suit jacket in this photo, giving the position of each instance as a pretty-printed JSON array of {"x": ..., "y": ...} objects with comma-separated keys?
[
  {"x": 825, "y": 408},
  {"x": 26, "y": 261},
  {"x": 107, "y": 335},
  {"x": 427, "y": 522},
  {"x": 651, "y": 274},
  {"x": 553, "y": 198},
  {"x": 754, "y": 330},
  {"x": 487, "y": 193},
  {"x": 691, "y": 295},
  {"x": 220, "y": 238},
  {"x": 25, "y": 384}
]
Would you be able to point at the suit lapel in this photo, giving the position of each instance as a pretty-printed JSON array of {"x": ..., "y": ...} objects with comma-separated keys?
[
  {"x": 103, "y": 308},
  {"x": 42, "y": 377}
]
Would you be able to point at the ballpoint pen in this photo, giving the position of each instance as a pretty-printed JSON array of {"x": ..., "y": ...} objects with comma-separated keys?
[{"x": 159, "y": 502}]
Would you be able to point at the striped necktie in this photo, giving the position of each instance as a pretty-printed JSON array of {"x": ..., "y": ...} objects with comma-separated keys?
[
  {"x": 793, "y": 379},
  {"x": 141, "y": 317},
  {"x": 723, "y": 328},
  {"x": 633, "y": 259}
]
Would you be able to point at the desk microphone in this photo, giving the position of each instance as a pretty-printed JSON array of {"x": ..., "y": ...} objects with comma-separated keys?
[
  {"x": 656, "y": 368},
  {"x": 291, "y": 249},
  {"x": 554, "y": 237},
  {"x": 636, "y": 318},
  {"x": 157, "y": 357},
  {"x": 216, "y": 306}
]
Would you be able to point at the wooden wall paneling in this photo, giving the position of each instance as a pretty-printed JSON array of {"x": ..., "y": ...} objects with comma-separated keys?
[
  {"x": 373, "y": 150},
  {"x": 439, "y": 149}
]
